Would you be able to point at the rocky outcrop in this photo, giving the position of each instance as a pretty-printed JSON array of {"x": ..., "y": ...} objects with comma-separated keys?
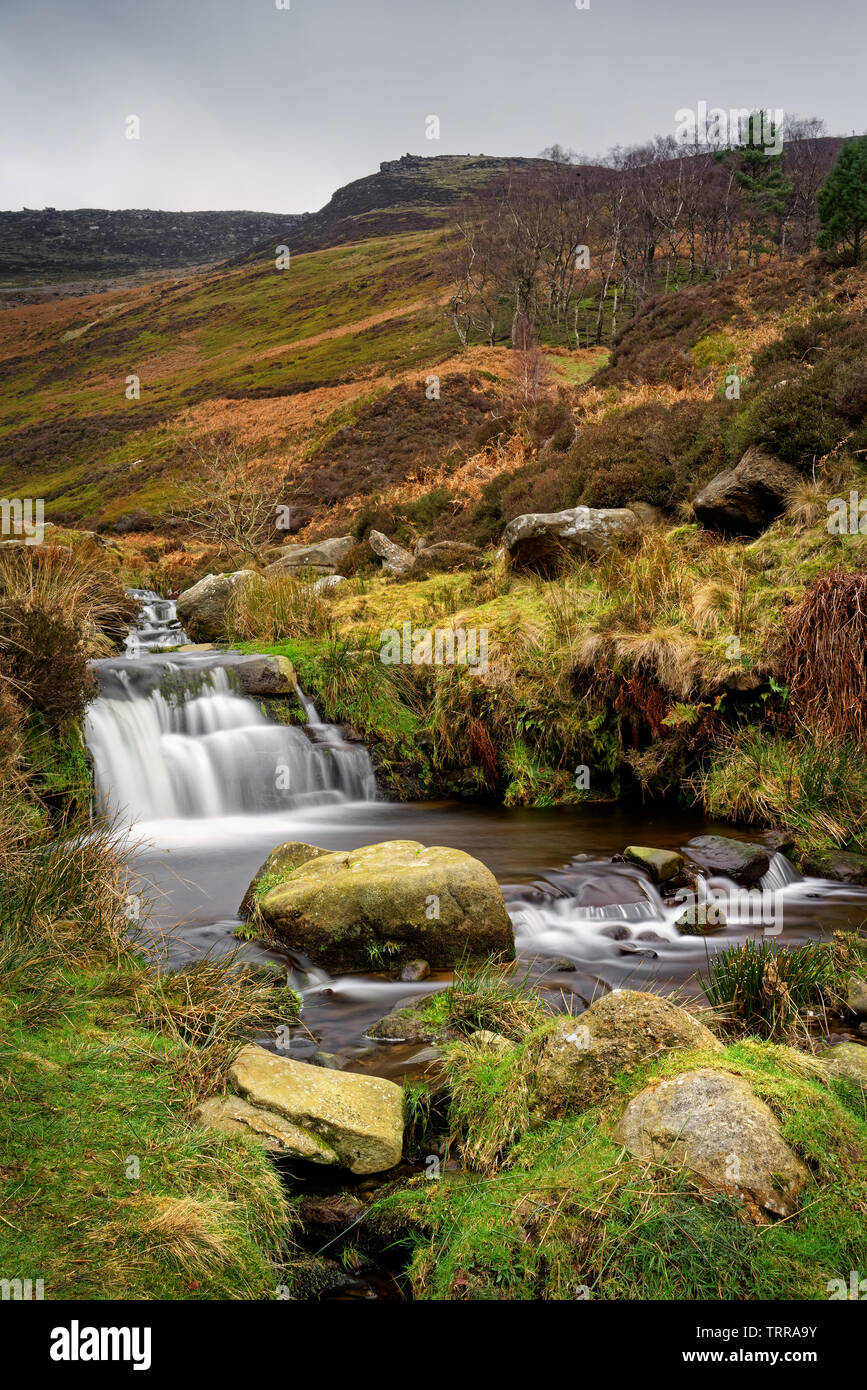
[
  {"x": 203, "y": 609},
  {"x": 713, "y": 1124},
  {"x": 396, "y": 559},
  {"x": 744, "y": 500},
  {"x": 281, "y": 862},
  {"x": 336, "y": 1118},
  {"x": 739, "y": 860},
  {"x": 321, "y": 557},
  {"x": 267, "y": 675},
  {"x": 580, "y": 1056},
  {"x": 542, "y": 541},
  {"x": 389, "y": 903},
  {"x": 661, "y": 864}
]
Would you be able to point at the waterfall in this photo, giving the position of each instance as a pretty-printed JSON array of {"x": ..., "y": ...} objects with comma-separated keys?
[
  {"x": 158, "y": 624},
  {"x": 170, "y": 740},
  {"x": 171, "y": 737}
]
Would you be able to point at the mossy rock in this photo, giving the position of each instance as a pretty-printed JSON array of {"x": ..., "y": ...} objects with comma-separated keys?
[
  {"x": 580, "y": 1057},
  {"x": 281, "y": 862},
  {"x": 661, "y": 864},
  {"x": 389, "y": 903}
]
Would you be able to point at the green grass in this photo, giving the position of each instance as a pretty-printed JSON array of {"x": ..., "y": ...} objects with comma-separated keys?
[{"x": 564, "y": 1213}]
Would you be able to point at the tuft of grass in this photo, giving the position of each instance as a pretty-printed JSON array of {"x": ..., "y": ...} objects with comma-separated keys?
[{"x": 765, "y": 989}]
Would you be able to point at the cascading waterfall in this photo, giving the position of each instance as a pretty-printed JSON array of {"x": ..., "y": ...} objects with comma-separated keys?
[
  {"x": 170, "y": 738},
  {"x": 158, "y": 624}
]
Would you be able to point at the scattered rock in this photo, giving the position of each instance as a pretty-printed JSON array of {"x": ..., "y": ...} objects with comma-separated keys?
[
  {"x": 387, "y": 903},
  {"x": 281, "y": 862},
  {"x": 847, "y": 1059},
  {"x": 615, "y": 931},
  {"x": 407, "y": 1025},
  {"x": 413, "y": 971},
  {"x": 735, "y": 859},
  {"x": 563, "y": 964},
  {"x": 322, "y": 557},
  {"x": 357, "y": 1119},
  {"x": 541, "y": 541},
  {"x": 267, "y": 675},
  {"x": 336, "y": 1210},
  {"x": 396, "y": 559},
  {"x": 646, "y": 513},
  {"x": 661, "y": 864},
  {"x": 580, "y": 1056},
  {"x": 325, "y": 1059},
  {"x": 713, "y": 1124},
  {"x": 327, "y": 581},
  {"x": 443, "y": 556},
  {"x": 744, "y": 500},
  {"x": 842, "y": 866},
  {"x": 203, "y": 609},
  {"x": 495, "y": 1042},
  {"x": 856, "y": 997}
]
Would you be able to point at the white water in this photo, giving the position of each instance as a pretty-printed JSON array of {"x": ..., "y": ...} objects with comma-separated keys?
[
  {"x": 172, "y": 739},
  {"x": 158, "y": 624}
]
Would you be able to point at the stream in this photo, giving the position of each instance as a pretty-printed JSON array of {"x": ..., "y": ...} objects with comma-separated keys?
[{"x": 205, "y": 786}]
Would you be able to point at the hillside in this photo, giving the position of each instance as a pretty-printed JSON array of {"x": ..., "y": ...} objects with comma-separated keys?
[{"x": 49, "y": 245}]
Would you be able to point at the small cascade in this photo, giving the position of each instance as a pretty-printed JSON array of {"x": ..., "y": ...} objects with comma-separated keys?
[
  {"x": 172, "y": 739},
  {"x": 157, "y": 625},
  {"x": 781, "y": 873}
]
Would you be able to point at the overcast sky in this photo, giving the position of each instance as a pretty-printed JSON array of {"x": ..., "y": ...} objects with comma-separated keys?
[{"x": 244, "y": 105}]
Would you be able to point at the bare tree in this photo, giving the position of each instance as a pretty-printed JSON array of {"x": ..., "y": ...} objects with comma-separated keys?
[{"x": 230, "y": 501}]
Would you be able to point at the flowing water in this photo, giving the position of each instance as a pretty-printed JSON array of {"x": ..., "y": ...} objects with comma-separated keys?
[{"x": 208, "y": 785}]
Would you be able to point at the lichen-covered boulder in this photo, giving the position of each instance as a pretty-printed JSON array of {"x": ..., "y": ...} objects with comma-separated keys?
[
  {"x": 281, "y": 862},
  {"x": 713, "y": 1124},
  {"x": 337, "y": 1118},
  {"x": 739, "y": 860},
  {"x": 580, "y": 1056},
  {"x": 267, "y": 675},
  {"x": 541, "y": 541},
  {"x": 388, "y": 903},
  {"x": 661, "y": 864},
  {"x": 321, "y": 557},
  {"x": 204, "y": 608},
  {"x": 396, "y": 559}
]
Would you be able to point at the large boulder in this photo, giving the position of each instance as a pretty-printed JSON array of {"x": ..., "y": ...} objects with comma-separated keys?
[
  {"x": 744, "y": 500},
  {"x": 331, "y": 1117},
  {"x": 389, "y": 903},
  {"x": 396, "y": 559},
  {"x": 541, "y": 541},
  {"x": 281, "y": 862},
  {"x": 736, "y": 859},
  {"x": 203, "y": 609},
  {"x": 856, "y": 996},
  {"x": 267, "y": 675},
  {"x": 713, "y": 1124},
  {"x": 580, "y": 1056},
  {"x": 321, "y": 557}
]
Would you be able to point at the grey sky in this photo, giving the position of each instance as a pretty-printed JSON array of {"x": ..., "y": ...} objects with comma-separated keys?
[{"x": 243, "y": 105}]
